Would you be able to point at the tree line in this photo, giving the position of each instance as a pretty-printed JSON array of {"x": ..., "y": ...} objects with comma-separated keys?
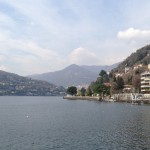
[{"x": 105, "y": 85}]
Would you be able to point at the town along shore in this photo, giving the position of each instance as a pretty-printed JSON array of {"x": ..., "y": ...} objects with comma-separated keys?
[{"x": 122, "y": 97}]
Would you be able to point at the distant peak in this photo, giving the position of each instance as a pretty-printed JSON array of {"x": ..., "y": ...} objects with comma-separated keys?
[{"x": 73, "y": 66}]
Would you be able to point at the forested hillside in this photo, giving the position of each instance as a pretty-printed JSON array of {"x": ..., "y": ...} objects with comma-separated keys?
[
  {"x": 13, "y": 84},
  {"x": 141, "y": 56}
]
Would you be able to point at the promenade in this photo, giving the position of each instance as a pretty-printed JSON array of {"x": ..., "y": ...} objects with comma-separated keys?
[{"x": 122, "y": 97}]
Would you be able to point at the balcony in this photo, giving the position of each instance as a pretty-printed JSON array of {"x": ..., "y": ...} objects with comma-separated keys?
[
  {"x": 143, "y": 82},
  {"x": 145, "y": 78},
  {"x": 147, "y": 73},
  {"x": 143, "y": 90},
  {"x": 145, "y": 86}
]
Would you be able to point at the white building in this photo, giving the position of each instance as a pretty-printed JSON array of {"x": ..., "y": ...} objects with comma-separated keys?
[
  {"x": 145, "y": 82},
  {"x": 149, "y": 66},
  {"x": 118, "y": 75},
  {"x": 137, "y": 66},
  {"x": 127, "y": 69}
]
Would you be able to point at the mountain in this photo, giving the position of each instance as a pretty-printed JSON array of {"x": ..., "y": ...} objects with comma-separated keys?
[
  {"x": 71, "y": 75},
  {"x": 97, "y": 69},
  {"x": 141, "y": 56},
  {"x": 12, "y": 84}
]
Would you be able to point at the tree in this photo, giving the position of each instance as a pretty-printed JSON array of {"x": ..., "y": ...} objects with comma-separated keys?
[
  {"x": 114, "y": 78},
  {"x": 83, "y": 90},
  {"x": 120, "y": 83},
  {"x": 99, "y": 80},
  {"x": 127, "y": 78},
  {"x": 72, "y": 90},
  {"x": 113, "y": 87},
  {"x": 102, "y": 73},
  {"x": 136, "y": 82},
  {"x": 89, "y": 91},
  {"x": 110, "y": 75},
  {"x": 78, "y": 92},
  {"x": 104, "y": 78},
  {"x": 101, "y": 89}
]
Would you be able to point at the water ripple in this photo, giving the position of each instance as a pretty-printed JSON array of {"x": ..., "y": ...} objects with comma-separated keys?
[{"x": 56, "y": 124}]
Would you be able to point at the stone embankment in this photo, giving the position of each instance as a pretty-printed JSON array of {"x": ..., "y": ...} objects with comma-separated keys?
[
  {"x": 132, "y": 97},
  {"x": 97, "y": 98},
  {"x": 123, "y": 97}
]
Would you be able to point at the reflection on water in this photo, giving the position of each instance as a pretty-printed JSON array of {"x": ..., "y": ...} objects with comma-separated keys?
[{"x": 43, "y": 123}]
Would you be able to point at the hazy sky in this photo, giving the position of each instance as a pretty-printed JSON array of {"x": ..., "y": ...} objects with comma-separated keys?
[{"x": 39, "y": 36}]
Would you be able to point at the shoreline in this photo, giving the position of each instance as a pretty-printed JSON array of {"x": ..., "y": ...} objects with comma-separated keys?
[
  {"x": 96, "y": 98},
  {"x": 105, "y": 99}
]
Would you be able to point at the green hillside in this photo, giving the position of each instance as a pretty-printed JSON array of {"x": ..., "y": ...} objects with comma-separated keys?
[
  {"x": 141, "y": 56},
  {"x": 12, "y": 84}
]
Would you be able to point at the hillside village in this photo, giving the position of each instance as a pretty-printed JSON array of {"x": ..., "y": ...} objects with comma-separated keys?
[
  {"x": 136, "y": 78},
  {"x": 135, "y": 71},
  {"x": 131, "y": 76},
  {"x": 12, "y": 84}
]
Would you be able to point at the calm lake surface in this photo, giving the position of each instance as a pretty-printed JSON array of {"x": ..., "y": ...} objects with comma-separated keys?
[{"x": 44, "y": 123}]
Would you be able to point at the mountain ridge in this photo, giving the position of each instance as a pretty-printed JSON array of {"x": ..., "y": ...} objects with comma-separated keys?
[
  {"x": 71, "y": 75},
  {"x": 13, "y": 84},
  {"x": 141, "y": 56},
  {"x": 98, "y": 68}
]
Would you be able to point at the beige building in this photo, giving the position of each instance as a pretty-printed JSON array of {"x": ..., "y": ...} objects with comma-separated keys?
[
  {"x": 127, "y": 69},
  {"x": 149, "y": 66},
  {"x": 145, "y": 82},
  {"x": 137, "y": 66},
  {"x": 118, "y": 75}
]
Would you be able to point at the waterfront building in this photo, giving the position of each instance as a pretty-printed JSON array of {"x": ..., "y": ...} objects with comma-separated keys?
[
  {"x": 118, "y": 75},
  {"x": 128, "y": 89},
  {"x": 145, "y": 82},
  {"x": 149, "y": 66}
]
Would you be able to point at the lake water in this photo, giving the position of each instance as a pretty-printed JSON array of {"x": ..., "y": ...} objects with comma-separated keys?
[{"x": 45, "y": 123}]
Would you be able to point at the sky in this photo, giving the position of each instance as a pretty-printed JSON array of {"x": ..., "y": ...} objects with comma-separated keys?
[{"x": 48, "y": 35}]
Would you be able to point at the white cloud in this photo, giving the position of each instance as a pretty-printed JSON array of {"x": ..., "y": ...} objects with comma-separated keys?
[
  {"x": 82, "y": 56},
  {"x": 2, "y": 58},
  {"x": 27, "y": 57},
  {"x": 113, "y": 60},
  {"x": 132, "y": 33},
  {"x": 29, "y": 64},
  {"x": 3, "y": 68},
  {"x": 39, "y": 36},
  {"x": 39, "y": 13},
  {"x": 25, "y": 47}
]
